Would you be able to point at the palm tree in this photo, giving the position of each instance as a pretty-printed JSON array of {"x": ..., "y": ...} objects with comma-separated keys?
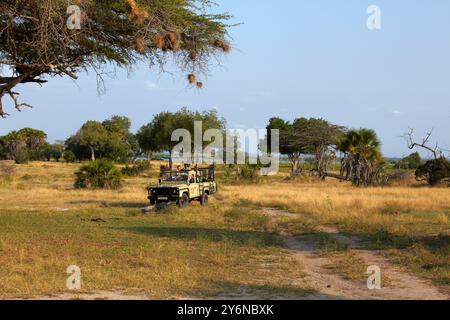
[{"x": 362, "y": 152}]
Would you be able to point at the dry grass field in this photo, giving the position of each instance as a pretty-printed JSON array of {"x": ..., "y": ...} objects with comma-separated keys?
[{"x": 229, "y": 249}]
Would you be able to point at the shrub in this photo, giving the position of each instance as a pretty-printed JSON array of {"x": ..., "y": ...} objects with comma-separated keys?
[
  {"x": 249, "y": 172},
  {"x": 137, "y": 169},
  {"x": 22, "y": 157},
  {"x": 99, "y": 174},
  {"x": 413, "y": 161},
  {"x": 434, "y": 171},
  {"x": 69, "y": 156}
]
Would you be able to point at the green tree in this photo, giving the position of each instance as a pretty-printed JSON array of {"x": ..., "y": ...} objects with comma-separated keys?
[
  {"x": 36, "y": 43},
  {"x": 3, "y": 151},
  {"x": 146, "y": 140},
  {"x": 434, "y": 171},
  {"x": 92, "y": 135},
  {"x": 111, "y": 139},
  {"x": 288, "y": 144},
  {"x": 362, "y": 153},
  {"x": 317, "y": 137},
  {"x": 51, "y": 151},
  {"x": 24, "y": 144},
  {"x": 413, "y": 161},
  {"x": 307, "y": 136},
  {"x": 69, "y": 156},
  {"x": 157, "y": 135},
  {"x": 121, "y": 141},
  {"x": 16, "y": 146}
]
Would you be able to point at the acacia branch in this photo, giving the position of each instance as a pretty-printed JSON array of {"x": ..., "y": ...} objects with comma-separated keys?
[{"x": 15, "y": 97}]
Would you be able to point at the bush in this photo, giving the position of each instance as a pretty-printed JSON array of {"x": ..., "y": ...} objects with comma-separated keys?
[
  {"x": 99, "y": 174},
  {"x": 434, "y": 171},
  {"x": 413, "y": 161},
  {"x": 22, "y": 157},
  {"x": 137, "y": 169},
  {"x": 249, "y": 172},
  {"x": 69, "y": 156}
]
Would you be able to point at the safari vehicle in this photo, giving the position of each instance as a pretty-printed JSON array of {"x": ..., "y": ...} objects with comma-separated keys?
[{"x": 182, "y": 186}]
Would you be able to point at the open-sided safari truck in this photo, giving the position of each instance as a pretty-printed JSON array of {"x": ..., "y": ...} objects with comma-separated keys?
[{"x": 182, "y": 186}]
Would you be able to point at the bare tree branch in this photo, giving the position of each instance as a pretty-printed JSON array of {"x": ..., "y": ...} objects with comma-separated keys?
[{"x": 436, "y": 151}]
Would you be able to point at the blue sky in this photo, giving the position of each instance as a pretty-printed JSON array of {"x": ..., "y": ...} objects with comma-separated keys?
[{"x": 291, "y": 58}]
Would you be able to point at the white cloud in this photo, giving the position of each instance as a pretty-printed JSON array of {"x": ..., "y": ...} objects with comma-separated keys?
[
  {"x": 396, "y": 112},
  {"x": 151, "y": 85}
]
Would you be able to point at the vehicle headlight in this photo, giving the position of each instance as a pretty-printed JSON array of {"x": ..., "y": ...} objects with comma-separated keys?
[{"x": 175, "y": 191}]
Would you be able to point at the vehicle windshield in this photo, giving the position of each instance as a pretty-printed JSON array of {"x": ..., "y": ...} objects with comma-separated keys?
[{"x": 175, "y": 177}]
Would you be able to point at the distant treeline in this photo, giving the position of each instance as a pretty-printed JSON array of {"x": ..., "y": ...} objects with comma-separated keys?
[
  {"x": 319, "y": 142},
  {"x": 111, "y": 139}
]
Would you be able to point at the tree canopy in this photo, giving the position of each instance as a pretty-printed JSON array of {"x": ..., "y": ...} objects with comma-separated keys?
[
  {"x": 307, "y": 136},
  {"x": 23, "y": 145},
  {"x": 36, "y": 42},
  {"x": 110, "y": 139},
  {"x": 413, "y": 161},
  {"x": 157, "y": 135},
  {"x": 362, "y": 154}
]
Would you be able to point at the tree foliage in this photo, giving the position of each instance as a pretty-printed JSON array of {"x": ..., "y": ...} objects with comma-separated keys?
[
  {"x": 92, "y": 135},
  {"x": 157, "y": 135},
  {"x": 434, "y": 171},
  {"x": 288, "y": 146},
  {"x": 362, "y": 156},
  {"x": 307, "y": 136},
  {"x": 36, "y": 44},
  {"x": 110, "y": 139},
  {"x": 23, "y": 145},
  {"x": 318, "y": 137},
  {"x": 412, "y": 162}
]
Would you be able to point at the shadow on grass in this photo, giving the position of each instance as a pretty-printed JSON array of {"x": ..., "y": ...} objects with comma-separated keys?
[
  {"x": 253, "y": 238},
  {"x": 425, "y": 253},
  {"x": 240, "y": 291},
  {"x": 383, "y": 239},
  {"x": 106, "y": 204}
]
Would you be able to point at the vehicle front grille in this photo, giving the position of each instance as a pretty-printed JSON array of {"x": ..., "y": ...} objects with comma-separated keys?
[{"x": 164, "y": 191}]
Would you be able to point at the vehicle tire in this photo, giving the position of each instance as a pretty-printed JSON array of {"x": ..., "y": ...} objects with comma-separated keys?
[
  {"x": 184, "y": 201},
  {"x": 204, "y": 199}
]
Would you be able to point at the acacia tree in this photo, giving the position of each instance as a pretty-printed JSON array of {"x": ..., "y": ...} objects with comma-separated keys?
[
  {"x": 36, "y": 42},
  {"x": 307, "y": 136},
  {"x": 318, "y": 137},
  {"x": 288, "y": 145}
]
